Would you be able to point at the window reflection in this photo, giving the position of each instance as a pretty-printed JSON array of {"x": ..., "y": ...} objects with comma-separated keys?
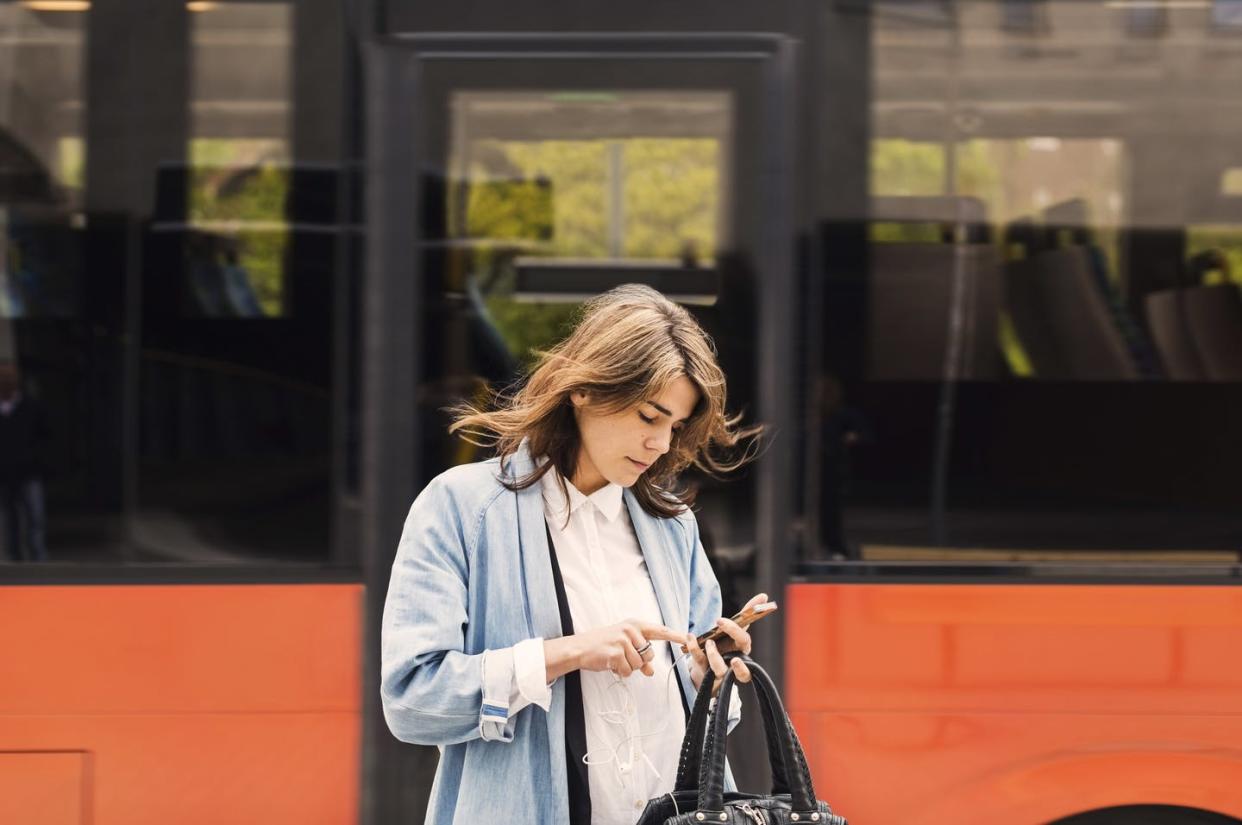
[
  {"x": 550, "y": 197},
  {"x": 42, "y": 172},
  {"x": 237, "y": 235},
  {"x": 41, "y": 163},
  {"x": 235, "y": 389},
  {"x": 239, "y": 155},
  {"x": 1069, "y": 177},
  {"x": 1053, "y": 311},
  {"x": 556, "y": 191},
  {"x": 553, "y": 196},
  {"x": 1044, "y": 202}
]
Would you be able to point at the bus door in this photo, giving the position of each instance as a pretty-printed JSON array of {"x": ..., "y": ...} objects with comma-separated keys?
[{"x": 512, "y": 177}]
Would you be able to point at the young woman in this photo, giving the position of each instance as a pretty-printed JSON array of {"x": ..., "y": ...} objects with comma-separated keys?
[{"x": 540, "y": 600}]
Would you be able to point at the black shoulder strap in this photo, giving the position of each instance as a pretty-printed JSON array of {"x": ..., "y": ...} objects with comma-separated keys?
[{"x": 575, "y": 721}]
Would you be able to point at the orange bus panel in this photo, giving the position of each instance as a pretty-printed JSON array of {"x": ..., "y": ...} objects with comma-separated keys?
[
  {"x": 1016, "y": 704},
  {"x": 194, "y": 704}
]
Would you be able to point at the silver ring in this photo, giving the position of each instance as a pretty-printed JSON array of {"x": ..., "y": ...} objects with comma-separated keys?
[{"x": 644, "y": 648}]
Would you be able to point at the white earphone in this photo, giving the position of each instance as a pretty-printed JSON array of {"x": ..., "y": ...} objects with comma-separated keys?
[{"x": 632, "y": 741}]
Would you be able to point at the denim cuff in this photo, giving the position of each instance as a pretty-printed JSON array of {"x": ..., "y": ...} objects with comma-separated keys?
[{"x": 494, "y": 722}]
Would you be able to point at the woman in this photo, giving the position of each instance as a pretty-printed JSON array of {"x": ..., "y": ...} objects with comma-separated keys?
[{"x": 567, "y": 574}]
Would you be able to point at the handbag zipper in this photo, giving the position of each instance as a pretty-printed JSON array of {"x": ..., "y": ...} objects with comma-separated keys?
[{"x": 755, "y": 814}]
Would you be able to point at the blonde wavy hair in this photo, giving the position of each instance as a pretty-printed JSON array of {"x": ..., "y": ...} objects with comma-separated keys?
[{"x": 629, "y": 345}]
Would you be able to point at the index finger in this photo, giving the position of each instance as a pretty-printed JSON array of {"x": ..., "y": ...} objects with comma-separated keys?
[{"x": 659, "y": 632}]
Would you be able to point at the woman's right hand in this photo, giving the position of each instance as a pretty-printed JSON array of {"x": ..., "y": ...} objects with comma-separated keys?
[{"x": 613, "y": 647}]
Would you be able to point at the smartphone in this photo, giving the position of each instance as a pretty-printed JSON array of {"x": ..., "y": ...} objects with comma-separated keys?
[{"x": 744, "y": 619}]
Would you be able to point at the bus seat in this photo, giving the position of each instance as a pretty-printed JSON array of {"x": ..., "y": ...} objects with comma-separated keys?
[
  {"x": 1215, "y": 316},
  {"x": 1199, "y": 331},
  {"x": 1171, "y": 332},
  {"x": 910, "y": 299},
  {"x": 1055, "y": 303},
  {"x": 1067, "y": 224},
  {"x": 1025, "y": 304}
]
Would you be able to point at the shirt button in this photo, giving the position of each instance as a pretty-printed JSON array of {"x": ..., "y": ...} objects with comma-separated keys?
[{"x": 638, "y": 804}]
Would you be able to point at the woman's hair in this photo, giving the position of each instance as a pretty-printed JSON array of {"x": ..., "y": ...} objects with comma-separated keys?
[{"x": 630, "y": 344}]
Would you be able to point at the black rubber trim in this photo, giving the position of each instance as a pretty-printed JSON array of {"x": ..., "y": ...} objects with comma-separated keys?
[
  {"x": 88, "y": 574},
  {"x": 846, "y": 572}
]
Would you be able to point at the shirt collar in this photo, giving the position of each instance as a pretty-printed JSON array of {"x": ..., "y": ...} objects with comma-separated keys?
[{"x": 608, "y": 499}]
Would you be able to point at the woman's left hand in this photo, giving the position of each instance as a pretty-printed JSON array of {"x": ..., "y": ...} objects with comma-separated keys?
[{"x": 735, "y": 639}]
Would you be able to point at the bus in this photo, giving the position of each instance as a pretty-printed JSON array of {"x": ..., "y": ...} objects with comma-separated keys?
[{"x": 976, "y": 264}]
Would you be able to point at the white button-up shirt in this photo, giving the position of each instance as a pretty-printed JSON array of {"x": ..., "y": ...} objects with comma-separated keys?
[{"x": 634, "y": 726}]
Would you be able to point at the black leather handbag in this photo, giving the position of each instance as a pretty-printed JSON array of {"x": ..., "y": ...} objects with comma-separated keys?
[{"x": 699, "y": 795}]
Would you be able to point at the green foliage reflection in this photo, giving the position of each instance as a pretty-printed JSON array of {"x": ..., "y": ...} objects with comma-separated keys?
[
  {"x": 554, "y": 198},
  {"x": 237, "y": 190}
]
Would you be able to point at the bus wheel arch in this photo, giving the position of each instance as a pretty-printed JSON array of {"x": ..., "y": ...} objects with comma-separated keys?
[{"x": 1148, "y": 815}]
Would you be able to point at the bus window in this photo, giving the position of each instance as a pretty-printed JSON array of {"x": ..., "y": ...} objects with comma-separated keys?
[
  {"x": 590, "y": 195},
  {"x": 43, "y": 288},
  {"x": 553, "y": 196},
  {"x": 235, "y": 371},
  {"x": 545, "y": 182},
  {"x": 1047, "y": 338},
  {"x": 550, "y": 197},
  {"x": 186, "y": 383}
]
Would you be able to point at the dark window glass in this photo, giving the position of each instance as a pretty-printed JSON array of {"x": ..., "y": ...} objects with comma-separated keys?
[
  {"x": 234, "y": 445},
  {"x": 169, "y": 305},
  {"x": 45, "y": 316},
  {"x": 1045, "y": 357}
]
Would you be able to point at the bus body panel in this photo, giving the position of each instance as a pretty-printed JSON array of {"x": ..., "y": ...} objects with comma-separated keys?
[
  {"x": 180, "y": 703},
  {"x": 923, "y": 703}
]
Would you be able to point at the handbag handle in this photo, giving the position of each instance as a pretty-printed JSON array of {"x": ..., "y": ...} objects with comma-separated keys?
[
  {"x": 711, "y": 783},
  {"x": 689, "y": 765}
]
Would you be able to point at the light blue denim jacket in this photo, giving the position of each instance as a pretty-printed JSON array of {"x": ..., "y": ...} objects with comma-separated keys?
[{"x": 471, "y": 579}]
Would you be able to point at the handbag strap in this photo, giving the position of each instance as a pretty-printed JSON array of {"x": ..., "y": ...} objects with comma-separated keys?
[
  {"x": 689, "y": 766},
  {"x": 711, "y": 782}
]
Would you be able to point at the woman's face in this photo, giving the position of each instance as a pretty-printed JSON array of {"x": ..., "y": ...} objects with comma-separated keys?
[{"x": 617, "y": 448}]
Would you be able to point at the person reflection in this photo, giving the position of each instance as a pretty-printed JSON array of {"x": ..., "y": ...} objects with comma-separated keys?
[
  {"x": 220, "y": 286},
  {"x": 206, "y": 276},
  {"x": 238, "y": 288},
  {"x": 844, "y": 427},
  {"x": 24, "y": 434}
]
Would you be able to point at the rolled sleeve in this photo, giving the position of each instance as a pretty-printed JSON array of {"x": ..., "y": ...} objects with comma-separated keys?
[
  {"x": 513, "y": 678},
  {"x": 496, "y": 712},
  {"x": 530, "y": 671}
]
